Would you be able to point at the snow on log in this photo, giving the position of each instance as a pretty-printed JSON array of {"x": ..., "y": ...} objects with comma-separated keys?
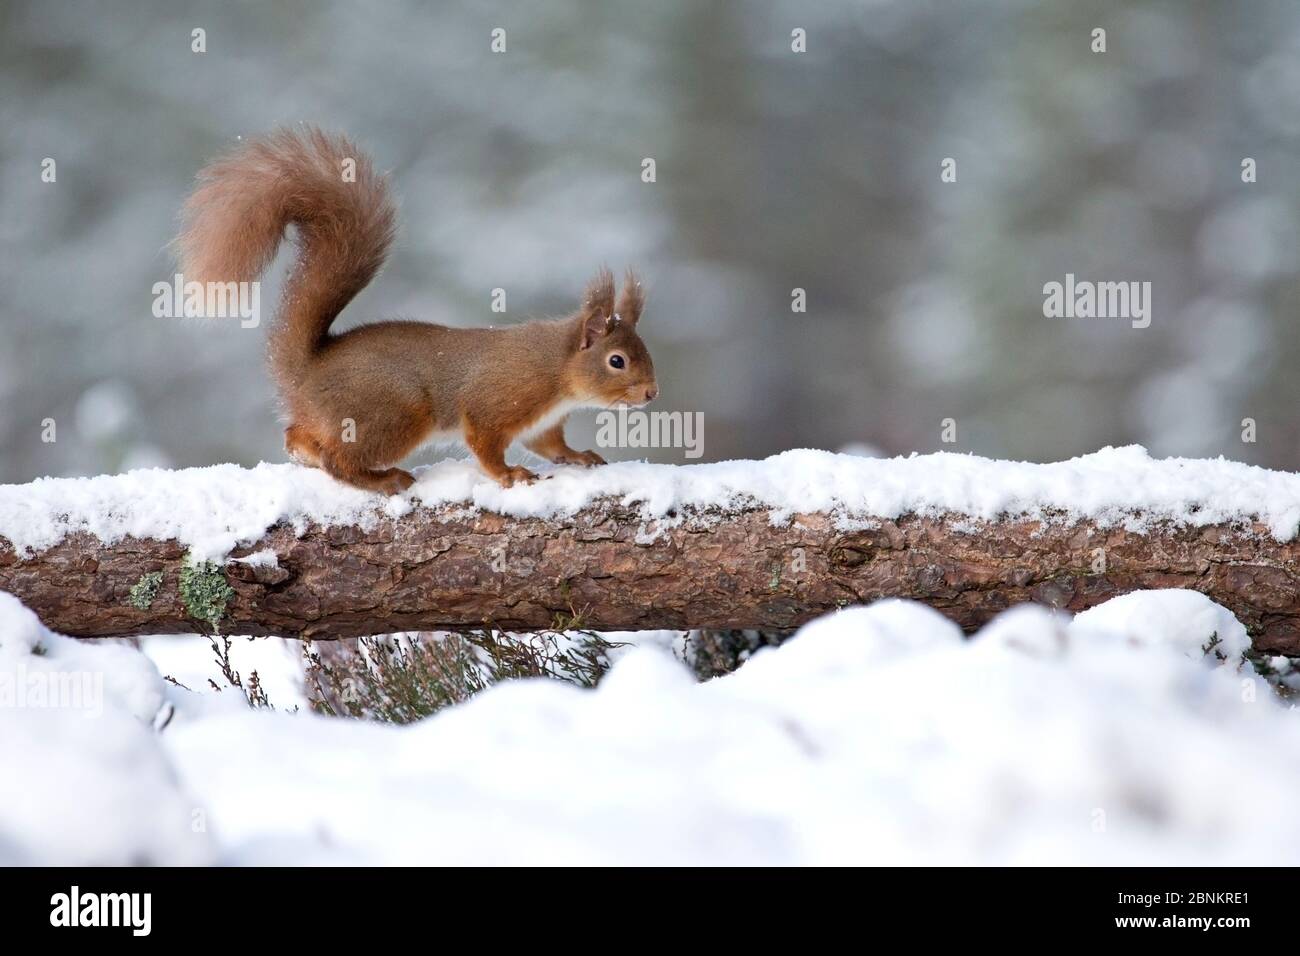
[{"x": 279, "y": 549}]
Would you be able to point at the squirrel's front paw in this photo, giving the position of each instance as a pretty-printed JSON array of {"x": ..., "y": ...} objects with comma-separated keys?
[
  {"x": 516, "y": 475},
  {"x": 587, "y": 459}
]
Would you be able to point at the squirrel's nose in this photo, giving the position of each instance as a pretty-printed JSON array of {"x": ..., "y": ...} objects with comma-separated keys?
[{"x": 651, "y": 392}]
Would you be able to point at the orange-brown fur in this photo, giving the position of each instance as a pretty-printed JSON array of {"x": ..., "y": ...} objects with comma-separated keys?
[{"x": 398, "y": 383}]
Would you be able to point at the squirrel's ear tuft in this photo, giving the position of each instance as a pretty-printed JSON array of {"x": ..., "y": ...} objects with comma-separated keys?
[
  {"x": 599, "y": 297},
  {"x": 632, "y": 299},
  {"x": 594, "y": 326},
  {"x": 597, "y": 312}
]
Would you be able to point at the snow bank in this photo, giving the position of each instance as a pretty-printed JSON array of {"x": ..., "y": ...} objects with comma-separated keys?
[
  {"x": 875, "y": 735},
  {"x": 214, "y": 509},
  {"x": 1187, "y": 621},
  {"x": 85, "y": 780}
]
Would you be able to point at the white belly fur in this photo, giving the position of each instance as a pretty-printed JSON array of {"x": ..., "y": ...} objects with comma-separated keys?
[
  {"x": 552, "y": 416},
  {"x": 454, "y": 440}
]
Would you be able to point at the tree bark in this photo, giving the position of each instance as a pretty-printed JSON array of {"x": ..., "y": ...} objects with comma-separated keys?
[{"x": 605, "y": 569}]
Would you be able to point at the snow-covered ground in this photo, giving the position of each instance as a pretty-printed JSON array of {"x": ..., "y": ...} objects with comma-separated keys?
[
  {"x": 214, "y": 509},
  {"x": 875, "y": 735}
]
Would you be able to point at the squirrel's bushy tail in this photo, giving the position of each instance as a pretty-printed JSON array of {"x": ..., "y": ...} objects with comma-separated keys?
[{"x": 328, "y": 189}]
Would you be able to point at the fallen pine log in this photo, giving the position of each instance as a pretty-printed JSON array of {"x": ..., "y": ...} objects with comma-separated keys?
[{"x": 606, "y": 568}]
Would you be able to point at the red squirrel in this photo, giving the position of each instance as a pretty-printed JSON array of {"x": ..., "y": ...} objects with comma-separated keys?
[{"x": 359, "y": 402}]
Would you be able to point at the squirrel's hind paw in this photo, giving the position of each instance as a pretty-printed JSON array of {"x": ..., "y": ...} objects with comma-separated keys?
[{"x": 395, "y": 481}]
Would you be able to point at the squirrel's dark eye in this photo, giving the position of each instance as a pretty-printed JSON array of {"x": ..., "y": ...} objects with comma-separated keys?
[{"x": 616, "y": 361}]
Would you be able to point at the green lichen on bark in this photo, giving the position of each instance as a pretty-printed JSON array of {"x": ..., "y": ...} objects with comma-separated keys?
[
  {"x": 145, "y": 590},
  {"x": 204, "y": 592}
]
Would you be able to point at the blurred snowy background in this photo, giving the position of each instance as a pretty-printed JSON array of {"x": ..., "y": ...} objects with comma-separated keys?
[{"x": 775, "y": 170}]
